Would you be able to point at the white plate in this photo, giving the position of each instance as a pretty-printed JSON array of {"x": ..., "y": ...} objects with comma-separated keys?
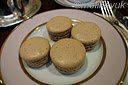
[
  {"x": 100, "y": 70},
  {"x": 95, "y": 59},
  {"x": 90, "y": 4}
]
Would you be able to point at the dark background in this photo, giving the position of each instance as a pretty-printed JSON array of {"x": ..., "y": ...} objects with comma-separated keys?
[{"x": 50, "y": 5}]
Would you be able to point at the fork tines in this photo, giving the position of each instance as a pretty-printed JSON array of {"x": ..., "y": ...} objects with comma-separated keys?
[{"x": 106, "y": 9}]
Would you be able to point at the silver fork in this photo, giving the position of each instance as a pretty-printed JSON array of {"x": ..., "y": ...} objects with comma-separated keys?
[{"x": 109, "y": 15}]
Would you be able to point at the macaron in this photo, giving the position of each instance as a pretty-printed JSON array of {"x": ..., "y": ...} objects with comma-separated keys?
[
  {"x": 88, "y": 33},
  {"x": 59, "y": 27},
  {"x": 68, "y": 55},
  {"x": 35, "y": 51}
]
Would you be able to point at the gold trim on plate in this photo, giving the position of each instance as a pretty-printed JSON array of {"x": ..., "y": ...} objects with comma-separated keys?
[
  {"x": 121, "y": 80},
  {"x": 125, "y": 41}
]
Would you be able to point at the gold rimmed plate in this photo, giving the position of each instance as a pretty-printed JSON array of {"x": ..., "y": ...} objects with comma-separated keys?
[{"x": 106, "y": 64}]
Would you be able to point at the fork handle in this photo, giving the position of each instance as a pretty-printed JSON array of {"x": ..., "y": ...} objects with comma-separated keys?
[
  {"x": 121, "y": 28},
  {"x": 124, "y": 29}
]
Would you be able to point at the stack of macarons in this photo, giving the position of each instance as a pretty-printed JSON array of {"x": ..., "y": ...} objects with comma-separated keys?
[
  {"x": 68, "y": 53},
  {"x": 88, "y": 33}
]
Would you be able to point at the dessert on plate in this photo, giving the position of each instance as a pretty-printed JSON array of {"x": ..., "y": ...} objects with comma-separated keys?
[
  {"x": 35, "y": 51},
  {"x": 68, "y": 55},
  {"x": 59, "y": 27},
  {"x": 88, "y": 33}
]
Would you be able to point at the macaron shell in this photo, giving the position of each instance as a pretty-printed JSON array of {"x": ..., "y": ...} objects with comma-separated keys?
[
  {"x": 70, "y": 70},
  {"x": 59, "y": 24},
  {"x": 37, "y": 64},
  {"x": 68, "y": 53},
  {"x": 34, "y": 49},
  {"x": 61, "y": 36},
  {"x": 86, "y": 32}
]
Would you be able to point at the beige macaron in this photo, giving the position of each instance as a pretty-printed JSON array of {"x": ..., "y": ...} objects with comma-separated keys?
[
  {"x": 88, "y": 33},
  {"x": 35, "y": 51},
  {"x": 68, "y": 55},
  {"x": 59, "y": 27}
]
